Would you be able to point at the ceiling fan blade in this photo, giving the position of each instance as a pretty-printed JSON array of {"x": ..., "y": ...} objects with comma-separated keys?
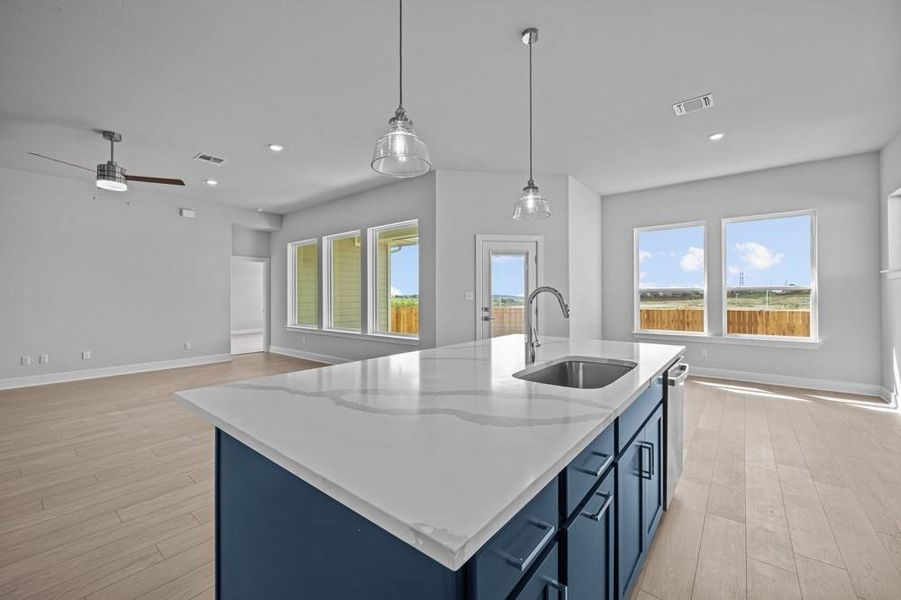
[
  {"x": 162, "y": 180},
  {"x": 62, "y": 162}
]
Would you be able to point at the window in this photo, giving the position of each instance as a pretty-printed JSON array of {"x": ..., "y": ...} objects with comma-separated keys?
[
  {"x": 394, "y": 279},
  {"x": 670, "y": 278},
  {"x": 303, "y": 284},
  {"x": 342, "y": 291},
  {"x": 770, "y": 275}
]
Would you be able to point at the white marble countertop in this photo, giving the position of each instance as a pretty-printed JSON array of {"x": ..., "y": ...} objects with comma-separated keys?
[{"x": 440, "y": 447}]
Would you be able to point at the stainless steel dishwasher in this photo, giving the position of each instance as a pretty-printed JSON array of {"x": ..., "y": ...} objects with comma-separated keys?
[{"x": 678, "y": 373}]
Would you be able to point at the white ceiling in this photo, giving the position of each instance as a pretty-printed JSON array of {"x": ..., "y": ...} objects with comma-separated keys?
[{"x": 792, "y": 81}]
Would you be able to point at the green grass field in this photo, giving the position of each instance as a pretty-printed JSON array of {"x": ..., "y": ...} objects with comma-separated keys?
[{"x": 750, "y": 299}]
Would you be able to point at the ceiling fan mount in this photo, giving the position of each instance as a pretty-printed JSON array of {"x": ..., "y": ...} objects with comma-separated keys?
[{"x": 110, "y": 176}]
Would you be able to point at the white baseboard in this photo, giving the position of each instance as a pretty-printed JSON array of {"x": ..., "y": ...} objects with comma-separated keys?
[
  {"x": 323, "y": 358},
  {"x": 159, "y": 365},
  {"x": 246, "y": 331},
  {"x": 830, "y": 385}
]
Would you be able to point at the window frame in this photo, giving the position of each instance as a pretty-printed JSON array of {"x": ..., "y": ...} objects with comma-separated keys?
[
  {"x": 814, "y": 288},
  {"x": 325, "y": 315},
  {"x": 372, "y": 281},
  {"x": 291, "y": 317},
  {"x": 636, "y": 276}
]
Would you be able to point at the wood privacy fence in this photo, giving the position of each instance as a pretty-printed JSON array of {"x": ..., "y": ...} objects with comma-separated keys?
[
  {"x": 794, "y": 323},
  {"x": 507, "y": 319},
  {"x": 405, "y": 319}
]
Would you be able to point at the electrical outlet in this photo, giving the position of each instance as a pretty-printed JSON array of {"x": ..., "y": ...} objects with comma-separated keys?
[
  {"x": 303, "y": 339},
  {"x": 187, "y": 345},
  {"x": 25, "y": 361},
  {"x": 43, "y": 358},
  {"x": 703, "y": 352},
  {"x": 85, "y": 355},
  {"x": 468, "y": 296}
]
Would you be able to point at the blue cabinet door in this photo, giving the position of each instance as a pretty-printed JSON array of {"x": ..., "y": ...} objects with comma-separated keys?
[
  {"x": 630, "y": 486},
  {"x": 543, "y": 583},
  {"x": 590, "y": 545},
  {"x": 652, "y": 464}
]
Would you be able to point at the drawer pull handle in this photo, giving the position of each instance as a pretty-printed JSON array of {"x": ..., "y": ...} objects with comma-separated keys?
[
  {"x": 597, "y": 473},
  {"x": 596, "y": 516},
  {"x": 522, "y": 562},
  {"x": 650, "y": 448},
  {"x": 553, "y": 584}
]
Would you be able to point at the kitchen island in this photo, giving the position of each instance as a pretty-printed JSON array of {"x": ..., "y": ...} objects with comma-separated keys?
[{"x": 438, "y": 474}]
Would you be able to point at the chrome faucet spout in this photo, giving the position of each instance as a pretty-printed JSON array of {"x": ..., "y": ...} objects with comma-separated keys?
[{"x": 531, "y": 333}]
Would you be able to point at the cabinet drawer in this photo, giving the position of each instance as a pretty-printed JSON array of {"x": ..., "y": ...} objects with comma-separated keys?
[
  {"x": 590, "y": 547},
  {"x": 631, "y": 421},
  {"x": 503, "y": 561},
  {"x": 543, "y": 583},
  {"x": 585, "y": 470}
]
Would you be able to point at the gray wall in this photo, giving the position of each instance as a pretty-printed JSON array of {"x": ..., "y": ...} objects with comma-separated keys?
[
  {"x": 469, "y": 203},
  {"x": 250, "y": 242},
  {"x": 410, "y": 199},
  {"x": 891, "y": 260},
  {"x": 121, "y": 275},
  {"x": 845, "y": 194},
  {"x": 585, "y": 256}
]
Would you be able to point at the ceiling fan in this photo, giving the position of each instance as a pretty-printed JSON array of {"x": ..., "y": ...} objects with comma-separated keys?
[{"x": 111, "y": 176}]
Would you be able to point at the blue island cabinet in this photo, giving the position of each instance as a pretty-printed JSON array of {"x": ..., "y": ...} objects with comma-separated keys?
[{"x": 584, "y": 535}]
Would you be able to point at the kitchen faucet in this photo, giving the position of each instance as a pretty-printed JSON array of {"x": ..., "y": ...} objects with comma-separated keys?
[{"x": 531, "y": 334}]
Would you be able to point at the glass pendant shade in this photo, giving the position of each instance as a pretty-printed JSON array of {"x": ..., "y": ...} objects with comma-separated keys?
[
  {"x": 400, "y": 152},
  {"x": 111, "y": 176},
  {"x": 531, "y": 206}
]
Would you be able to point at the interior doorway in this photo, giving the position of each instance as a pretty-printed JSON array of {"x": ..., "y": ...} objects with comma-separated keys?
[
  {"x": 249, "y": 304},
  {"x": 506, "y": 273}
]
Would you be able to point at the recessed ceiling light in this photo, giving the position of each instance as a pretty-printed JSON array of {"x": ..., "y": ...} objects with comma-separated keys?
[
  {"x": 211, "y": 182},
  {"x": 715, "y": 137},
  {"x": 276, "y": 147}
]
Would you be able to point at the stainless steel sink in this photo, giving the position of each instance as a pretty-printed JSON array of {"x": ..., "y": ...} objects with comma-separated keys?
[{"x": 578, "y": 371}]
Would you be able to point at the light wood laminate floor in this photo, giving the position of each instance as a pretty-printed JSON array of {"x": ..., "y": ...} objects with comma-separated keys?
[{"x": 106, "y": 492}]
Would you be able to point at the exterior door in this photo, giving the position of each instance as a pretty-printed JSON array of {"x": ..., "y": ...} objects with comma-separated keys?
[{"x": 508, "y": 275}]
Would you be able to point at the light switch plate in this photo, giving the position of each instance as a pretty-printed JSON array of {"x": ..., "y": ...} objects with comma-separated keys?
[{"x": 85, "y": 355}]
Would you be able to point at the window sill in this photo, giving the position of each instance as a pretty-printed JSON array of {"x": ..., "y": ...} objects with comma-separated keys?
[
  {"x": 739, "y": 340},
  {"x": 371, "y": 337}
]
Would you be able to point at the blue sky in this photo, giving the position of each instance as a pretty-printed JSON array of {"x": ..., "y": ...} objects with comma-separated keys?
[
  {"x": 507, "y": 274},
  {"x": 405, "y": 271},
  {"x": 771, "y": 252},
  {"x": 671, "y": 258},
  {"x": 768, "y": 252}
]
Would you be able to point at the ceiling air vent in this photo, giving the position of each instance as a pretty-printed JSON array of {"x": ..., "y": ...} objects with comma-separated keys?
[
  {"x": 693, "y": 105},
  {"x": 209, "y": 158}
]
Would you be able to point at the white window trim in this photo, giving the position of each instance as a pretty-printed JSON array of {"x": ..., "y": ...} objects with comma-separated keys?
[
  {"x": 636, "y": 269},
  {"x": 814, "y": 291},
  {"x": 372, "y": 282},
  {"x": 291, "y": 317},
  {"x": 325, "y": 313}
]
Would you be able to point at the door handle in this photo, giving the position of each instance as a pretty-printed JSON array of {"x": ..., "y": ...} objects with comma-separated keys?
[
  {"x": 553, "y": 584},
  {"x": 603, "y": 467},
  {"x": 596, "y": 516},
  {"x": 650, "y": 448},
  {"x": 522, "y": 562}
]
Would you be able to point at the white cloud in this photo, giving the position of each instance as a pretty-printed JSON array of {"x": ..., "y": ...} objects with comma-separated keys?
[
  {"x": 396, "y": 292},
  {"x": 642, "y": 275},
  {"x": 758, "y": 257},
  {"x": 693, "y": 260},
  {"x": 643, "y": 255},
  {"x": 733, "y": 270}
]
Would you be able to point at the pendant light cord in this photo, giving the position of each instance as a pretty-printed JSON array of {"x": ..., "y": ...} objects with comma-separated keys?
[
  {"x": 400, "y": 52},
  {"x": 531, "y": 181}
]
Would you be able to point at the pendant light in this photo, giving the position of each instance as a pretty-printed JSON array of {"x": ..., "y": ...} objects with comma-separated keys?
[
  {"x": 400, "y": 152},
  {"x": 531, "y": 205}
]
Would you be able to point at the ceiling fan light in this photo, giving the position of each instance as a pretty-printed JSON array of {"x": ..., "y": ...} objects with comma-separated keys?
[
  {"x": 531, "y": 206},
  {"x": 400, "y": 152},
  {"x": 111, "y": 176}
]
